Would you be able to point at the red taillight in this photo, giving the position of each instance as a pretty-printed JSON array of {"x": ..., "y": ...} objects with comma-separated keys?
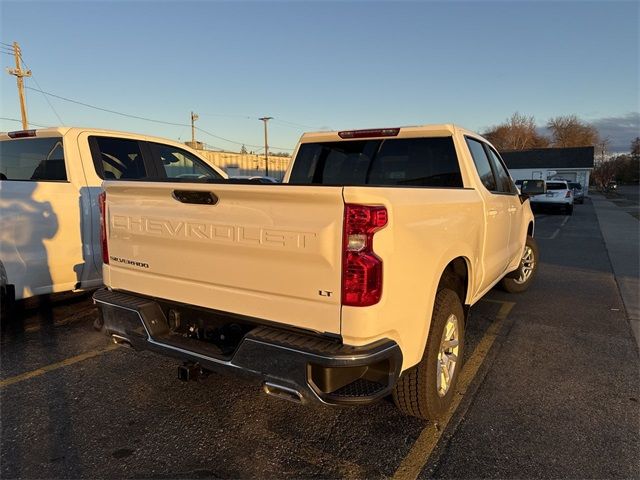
[
  {"x": 361, "y": 268},
  {"x": 22, "y": 134},
  {"x": 380, "y": 132},
  {"x": 102, "y": 202},
  {"x": 568, "y": 194}
]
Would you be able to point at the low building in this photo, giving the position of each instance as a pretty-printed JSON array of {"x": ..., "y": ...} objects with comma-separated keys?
[
  {"x": 244, "y": 163},
  {"x": 573, "y": 164}
]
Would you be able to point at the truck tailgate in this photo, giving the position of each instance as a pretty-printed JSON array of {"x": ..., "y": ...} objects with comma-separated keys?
[{"x": 266, "y": 251}]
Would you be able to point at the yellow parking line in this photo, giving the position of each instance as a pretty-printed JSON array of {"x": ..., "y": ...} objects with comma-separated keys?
[
  {"x": 417, "y": 457},
  {"x": 55, "y": 366}
]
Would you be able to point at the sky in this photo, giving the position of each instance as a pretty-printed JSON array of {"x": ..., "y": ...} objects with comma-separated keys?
[{"x": 322, "y": 65}]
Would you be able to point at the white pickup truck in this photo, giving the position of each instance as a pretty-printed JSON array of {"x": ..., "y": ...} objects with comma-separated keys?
[
  {"x": 50, "y": 180},
  {"x": 350, "y": 281}
]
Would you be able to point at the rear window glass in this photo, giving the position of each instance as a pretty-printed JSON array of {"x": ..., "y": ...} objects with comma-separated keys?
[
  {"x": 119, "y": 159},
  {"x": 575, "y": 185},
  {"x": 32, "y": 159},
  {"x": 423, "y": 162},
  {"x": 556, "y": 186}
]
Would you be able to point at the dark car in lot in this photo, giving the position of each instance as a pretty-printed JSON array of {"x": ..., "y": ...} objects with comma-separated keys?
[{"x": 578, "y": 192}]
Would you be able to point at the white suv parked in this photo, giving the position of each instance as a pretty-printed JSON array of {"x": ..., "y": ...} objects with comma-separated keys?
[{"x": 558, "y": 195}]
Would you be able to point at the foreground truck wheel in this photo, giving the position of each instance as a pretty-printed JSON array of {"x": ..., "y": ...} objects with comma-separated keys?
[
  {"x": 527, "y": 270},
  {"x": 427, "y": 390}
]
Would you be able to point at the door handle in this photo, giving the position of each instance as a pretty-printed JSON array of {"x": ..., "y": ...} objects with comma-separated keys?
[
  {"x": 492, "y": 212},
  {"x": 195, "y": 196},
  {"x": 512, "y": 209}
]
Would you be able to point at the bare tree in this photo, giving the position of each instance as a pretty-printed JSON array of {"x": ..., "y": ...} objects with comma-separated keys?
[
  {"x": 603, "y": 173},
  {"x": 570, "y": 131},
  {"x": 635, "y": 148},
  {"x": 602, "y": 148},
  {"x": 518, "y": 132}
]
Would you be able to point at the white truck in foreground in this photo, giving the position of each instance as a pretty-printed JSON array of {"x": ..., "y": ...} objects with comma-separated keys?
[
  {"x": 50, "y": 180},
  {"x": 350, "y": 281}
]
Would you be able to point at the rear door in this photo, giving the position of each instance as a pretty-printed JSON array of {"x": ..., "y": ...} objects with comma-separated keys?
[
  {"x": 514, "y": 207},
  {"x": 272, "y": 252},
  {"x": 498, "y": 218},
  {"x": 40, "y": 216}
]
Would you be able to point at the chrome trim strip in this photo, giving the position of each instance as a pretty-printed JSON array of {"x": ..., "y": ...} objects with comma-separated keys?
[{"x": 362, "y": 356}]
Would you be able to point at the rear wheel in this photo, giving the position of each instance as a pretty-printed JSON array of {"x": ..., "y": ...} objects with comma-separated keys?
[
  {"x": 7, "y": 305},
  {"x": 569, "y": 210},
  {"x": 427, "y": 389},
  {"x": 523, "y": 277}
]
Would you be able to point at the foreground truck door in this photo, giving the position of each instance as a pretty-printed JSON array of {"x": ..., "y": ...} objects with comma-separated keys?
[
  {"x": 508, "y": 190},
  {"x": 497, "y": 216}
]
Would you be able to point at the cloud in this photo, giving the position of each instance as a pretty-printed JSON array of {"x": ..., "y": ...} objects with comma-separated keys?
[{"x": 619, "y": 130}]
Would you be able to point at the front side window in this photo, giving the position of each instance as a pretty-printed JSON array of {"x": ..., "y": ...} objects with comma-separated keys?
[
  {"x": 482, "y": 164},
  {"x": 32, "y": 159},
  {"x": 180, "y": 164},
  {"x": 118, "y": 159},
  {"x": 421, "y": 162},
  {"x": 505, "y": 184}
]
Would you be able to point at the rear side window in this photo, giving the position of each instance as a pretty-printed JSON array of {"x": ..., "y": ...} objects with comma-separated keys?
[
  {"x": 422, "y": 162},
  {"x": 180, "y": 164},
  {"x": 32, "y": 159},
  {"x": 118, "y": 158}
]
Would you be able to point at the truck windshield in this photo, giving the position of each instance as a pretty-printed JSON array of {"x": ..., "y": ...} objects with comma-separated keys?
[{"x": 424, "y": 162}]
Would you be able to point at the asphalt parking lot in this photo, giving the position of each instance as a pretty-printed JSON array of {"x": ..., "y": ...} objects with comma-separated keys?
[{"x": 550, "y": 388}]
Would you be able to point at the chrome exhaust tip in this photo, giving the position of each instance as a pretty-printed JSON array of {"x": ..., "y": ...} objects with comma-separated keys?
[
  {"x": 120, "y": 340},
  {"x": 284, "y": 393}
]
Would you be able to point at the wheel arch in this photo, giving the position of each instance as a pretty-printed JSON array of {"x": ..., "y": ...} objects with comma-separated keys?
[{"x": 456, "y": 276}]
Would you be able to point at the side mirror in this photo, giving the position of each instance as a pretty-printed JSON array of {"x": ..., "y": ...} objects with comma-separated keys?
[{"x": 533, "y": 187}]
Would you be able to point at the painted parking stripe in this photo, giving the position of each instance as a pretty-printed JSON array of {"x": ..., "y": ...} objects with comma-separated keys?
[
  {"x": 419, "y": 454},
  {"x": 55, "y": 366}
]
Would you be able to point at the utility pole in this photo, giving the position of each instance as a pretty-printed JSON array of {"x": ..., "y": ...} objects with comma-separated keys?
[
  {"x": 266, "y": 145},
  {"x": 194, "y": 117},
  {"x": 20, "y": 74}
]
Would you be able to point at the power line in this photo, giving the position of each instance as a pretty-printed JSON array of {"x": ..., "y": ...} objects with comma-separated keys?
[
  {"x": 137, "y": 117},
  {"x": 20, "y": 121},
  {"x": 175, "y": 124},
  {"x": 43, "y": 94}
]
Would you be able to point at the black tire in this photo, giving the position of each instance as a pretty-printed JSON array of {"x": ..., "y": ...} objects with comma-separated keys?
[
  {"x": 7, "y": 306},
  {"x": 416, "y": 393},
  {"x": 569, "y": 210},
  {"x": 516, "y": 285}
]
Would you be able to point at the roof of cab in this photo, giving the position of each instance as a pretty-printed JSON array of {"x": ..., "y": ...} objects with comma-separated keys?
[
  {"x": 405, "y": 131},
  {"x": 63, "y": 131}
]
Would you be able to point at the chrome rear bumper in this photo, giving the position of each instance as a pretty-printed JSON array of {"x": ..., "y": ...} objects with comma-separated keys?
[{"x": 297, "y": 366}]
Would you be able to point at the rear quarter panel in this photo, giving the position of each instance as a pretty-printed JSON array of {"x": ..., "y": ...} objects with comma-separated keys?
[{"x": 427, "y": 229}]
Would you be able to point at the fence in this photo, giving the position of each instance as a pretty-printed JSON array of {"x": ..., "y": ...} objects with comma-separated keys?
[{"x": 247, "y": 164}]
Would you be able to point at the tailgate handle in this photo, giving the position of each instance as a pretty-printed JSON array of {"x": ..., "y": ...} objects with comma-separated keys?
[{"x": 195, "y": 196}]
